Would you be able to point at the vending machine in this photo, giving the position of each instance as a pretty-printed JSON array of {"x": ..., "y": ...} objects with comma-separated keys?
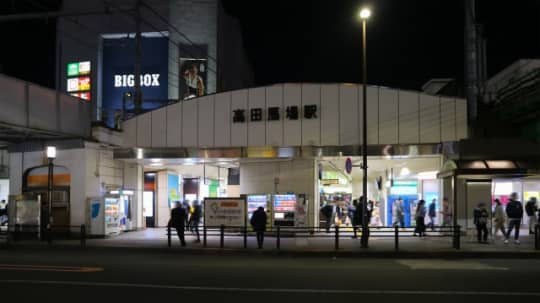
[
  {"x": 105, "y": 215},
  {"x": 284, "y": 209},
  {"x": 260, "y": 200}
]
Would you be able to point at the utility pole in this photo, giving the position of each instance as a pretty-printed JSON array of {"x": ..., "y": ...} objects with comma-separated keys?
[{"x": 138, "y": 58}]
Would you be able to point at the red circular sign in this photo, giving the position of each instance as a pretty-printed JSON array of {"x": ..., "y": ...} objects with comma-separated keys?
[{"x": 348, "y": 165}]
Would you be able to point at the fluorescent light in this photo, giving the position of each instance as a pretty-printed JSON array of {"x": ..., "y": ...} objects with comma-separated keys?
[
  {"x": 155, "y": 160},
  {"x": 404, "y": 172},
  {"x": 139, "y": 153},
  {"x": 427, "y": 175},
  {"x": 156, "y": 164}
]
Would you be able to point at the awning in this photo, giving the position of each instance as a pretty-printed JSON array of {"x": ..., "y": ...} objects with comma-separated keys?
[{"x": 490, "y": 168}]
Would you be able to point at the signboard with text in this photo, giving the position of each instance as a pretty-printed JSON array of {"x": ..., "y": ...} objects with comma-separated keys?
[
  {"x": 225, "y": 211},
  {"x": 79, "y": 80}
]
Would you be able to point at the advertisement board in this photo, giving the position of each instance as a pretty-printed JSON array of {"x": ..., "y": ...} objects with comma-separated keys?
[
  {"x": 118, "y": 73},
  {"x": 173, "y": 188},
  {"x": 193, "y": 81},
  {"x": 225, "y": 211},
  {"x": 78, "y": 83}
]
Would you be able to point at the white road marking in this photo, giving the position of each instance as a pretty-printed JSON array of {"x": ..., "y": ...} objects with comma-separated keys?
[
  {"x": 447, "y": 265},
  {"x": 278, "y": 290},
  {"x": 31, "y": 267}
]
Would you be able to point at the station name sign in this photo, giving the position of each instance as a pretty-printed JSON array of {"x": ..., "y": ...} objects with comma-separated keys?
[{"x": 128, "y": 80}]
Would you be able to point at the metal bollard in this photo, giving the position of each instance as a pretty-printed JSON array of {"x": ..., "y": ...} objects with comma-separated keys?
[
  {"x": 537, "y": 237},
  {"x": 278, "y": 237},
  {"x": 245, "y": 236},
  {"x": 222, "y": 236},
  {"x": 396, "y": 238},
  {"x": 49, "y": 234},
  {"x": 336, "y": 244},
  {"x": 204, "y": 235},
  {"x": 83, "y": 235},
  {"x": 457, "y": 235},
  {"x": 168, "y": 236}
]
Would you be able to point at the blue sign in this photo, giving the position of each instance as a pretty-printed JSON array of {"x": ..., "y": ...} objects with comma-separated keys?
[
  {"x": 348, "y": 165},
  {"x": 118, "y": 73}
]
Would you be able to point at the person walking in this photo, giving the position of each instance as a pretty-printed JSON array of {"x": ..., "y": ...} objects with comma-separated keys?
[
  {"x": 398, "y": 213},
  {"x": 258, "y": 222},
  {"x": 178, "y": 221},
  {"x": 355, "y": 219},
  {"x": 514, "y": 211},
  {"x": 480, "y": 220},
  {"x": 327, "y": 212},
  {"x": 432, "y": 213},
  {"x": 532, "y": 208},
  {"x": 195, "y": 219},
  {"x": 419, "y": 216},
  {"x": 499, "y": 218}
]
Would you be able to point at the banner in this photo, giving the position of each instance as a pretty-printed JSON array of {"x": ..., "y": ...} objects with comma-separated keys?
[
  {"x": 193, "y": 78},
  {"x": 225, "y": 211}
]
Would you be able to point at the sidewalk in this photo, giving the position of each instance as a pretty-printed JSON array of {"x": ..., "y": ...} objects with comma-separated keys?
[{"x": 155, "y": 239}]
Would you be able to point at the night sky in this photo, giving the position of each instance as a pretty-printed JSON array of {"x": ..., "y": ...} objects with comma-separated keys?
[{"x": 409, "y": 42}]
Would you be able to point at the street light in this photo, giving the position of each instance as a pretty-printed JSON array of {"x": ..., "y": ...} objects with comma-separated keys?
[
  {"x": 365, "y": 13},
  {"x": 51, "y": 155}
]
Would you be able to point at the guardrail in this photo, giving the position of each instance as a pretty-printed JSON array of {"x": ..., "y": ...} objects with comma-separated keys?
[
  {"x": 16, "y": 232},
  {"x": 279, "y": 232}
]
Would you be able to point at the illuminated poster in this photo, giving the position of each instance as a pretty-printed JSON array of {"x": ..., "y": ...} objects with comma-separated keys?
[
  {"x": 256, "y": 201},
  {"x": 172, "y": 182},
  {"x": 193, "y": 71},
  {"x": 78, "y": 81},
  {"x": 73, "y": 85},
  {"x": 284, "y": 203}
]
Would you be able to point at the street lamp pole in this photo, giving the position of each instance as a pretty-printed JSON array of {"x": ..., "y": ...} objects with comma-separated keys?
[
  {"x": 51, "y": 154},
  {"x": 364, "y": 15}
]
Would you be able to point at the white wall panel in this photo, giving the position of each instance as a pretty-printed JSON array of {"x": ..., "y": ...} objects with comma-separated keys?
[
  {"x": 144, "y": 130},
  {"x": 12, "y": 101},
  {"x": 461, "y": 119},
  {"x": 329, "y": 115},
  {"x": 408, "y": 117},
  {"x": 222, "y": 117},
  {"x": 189, "y": 123},
  {"x": 372, "y": 115},
  {"x": 430, "y": 126},
  {"x": 348, "y": 115},
  {"x": 388, "y": 116},
  {"x": 448, "y": 119},
  {"x": 274, "y": 129},
  {"x": 206, "y": 121},
  {"x": 42, "y": 109},
  {"x": 129, "y": 130},
  {"x": 174, "y": 125},
  {"x": 292, "y": 130},
  {"x": 257, "y": 129},
  {"x": 239, "y": 130},
  {"x": 159, "y": 127},
  {"x": 311, "y": 128}
]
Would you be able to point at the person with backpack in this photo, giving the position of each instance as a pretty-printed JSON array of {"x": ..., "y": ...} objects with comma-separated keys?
[
  {"x": 258, "y": 222},
  {"x": 532, "y": 208},
  {"x": 514, "y": 212},
  {"x": 432, "y": 213},
  {"x": 481, "y": 216}
]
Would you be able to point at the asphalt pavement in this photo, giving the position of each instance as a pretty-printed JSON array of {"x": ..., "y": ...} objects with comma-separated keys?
[{"x": 27, "y": 275}]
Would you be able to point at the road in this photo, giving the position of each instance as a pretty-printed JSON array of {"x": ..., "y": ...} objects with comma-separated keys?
[{"x": 94, "y": 276}]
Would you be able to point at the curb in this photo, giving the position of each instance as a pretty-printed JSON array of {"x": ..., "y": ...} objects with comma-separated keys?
[{"x": 450, "y": 254}]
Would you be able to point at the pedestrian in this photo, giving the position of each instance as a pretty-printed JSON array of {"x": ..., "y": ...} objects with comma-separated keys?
[
  {"x": 355, "y": 221},
  {"x": 480, "y": 221},
  {"x": 432, "y": 213},
  {"x": 178, "y": 221},
  {"x": 514, "y": 212},
  {"x": 258, "y": 222},
  {"x": 360, "y": 215},
  {"x": 327, "y": 212},
  {"x": 499, "y": 218},
  {"x": 532, "y": 208},
  {"x": 186, "y": 207},
  {"x": 350, "y": 212},
  {"x": 3, "y": 213},
  {"x": 398, "y": 213},
  {"x": 195, "y": 219},
  {"x": 446, "y": 213},
  {"x": 419, "y": 216}
]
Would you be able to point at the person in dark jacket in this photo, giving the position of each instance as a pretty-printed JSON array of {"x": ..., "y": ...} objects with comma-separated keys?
[
  {"x": 359, "y": 214},
  {"x": 532, "y": 208},
  {"x": 328, "y": 212},
  {"x": 419, "y": 217},
  {"x": 514, "y": 212},
  {"x": 481, "y": 216},
  {"x": 432, "y": 213},
  {"x": 258, "y": 222},
  {"x": 178, "y": 221},
  {"x": 195, "y": 219}
]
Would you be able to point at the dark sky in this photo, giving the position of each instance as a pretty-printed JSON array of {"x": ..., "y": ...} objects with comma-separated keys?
[{"x": 409, "y": 42}]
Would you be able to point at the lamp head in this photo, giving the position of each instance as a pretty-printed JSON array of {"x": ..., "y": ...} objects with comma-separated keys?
[
  {"x": 51, "y": 152},
  {"x": 365, "y": 13}
]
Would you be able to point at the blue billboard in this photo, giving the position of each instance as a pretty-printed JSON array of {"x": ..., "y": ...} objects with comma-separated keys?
[{"x": 118, "y": 73}]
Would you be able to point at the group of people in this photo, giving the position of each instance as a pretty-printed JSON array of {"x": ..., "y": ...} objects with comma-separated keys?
[
  {"x": 398, "y": 213},
  {"x": 355, "y": 213},
  {"x": 513, "y": 215},
  {"x": 185, "y": 216}
]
